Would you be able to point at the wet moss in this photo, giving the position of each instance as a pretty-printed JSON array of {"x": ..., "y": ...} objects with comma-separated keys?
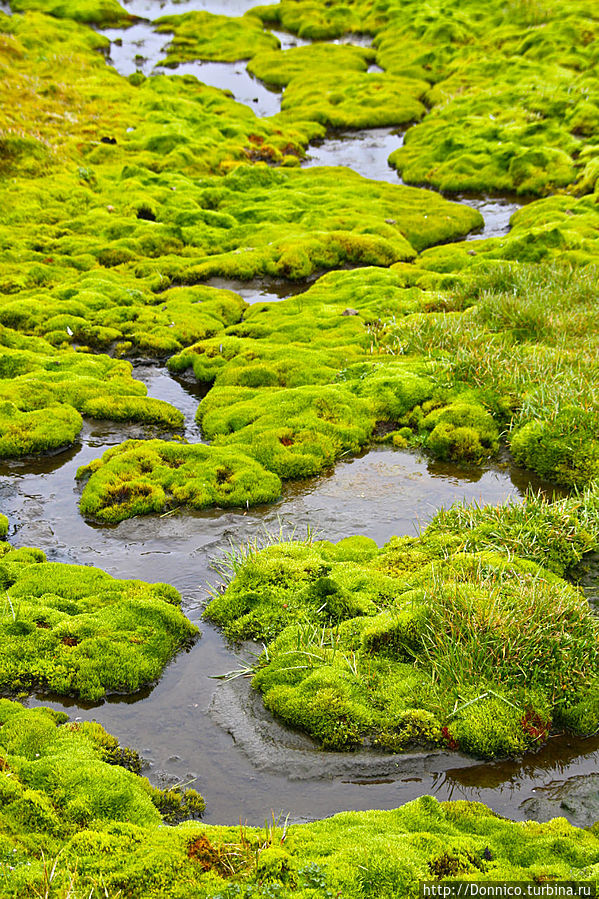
[
  {"x": 143, "y": 476},
  {"x": 101, "y": 827},
  {"x": 77, "y": 631},
  {"x": 422, "y": 642},
  {"x": 340, "y": 99},
  {"x": 104, "y": 13},
  {"x": 280, "y": 68},
  {"x": 44, "y": 393},
  {"x": 202, "y": 35}
]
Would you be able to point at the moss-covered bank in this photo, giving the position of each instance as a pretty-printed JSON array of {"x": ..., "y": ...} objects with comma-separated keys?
[{"x": 73, "y": 819}]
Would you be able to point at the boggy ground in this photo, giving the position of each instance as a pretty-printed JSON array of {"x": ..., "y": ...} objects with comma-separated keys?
[
  {"x": 120, "y": 197},
  {"x": 132, "y": 192},
  {"x": 466, "y": 636},
  {"x": 78, "y": 820}
]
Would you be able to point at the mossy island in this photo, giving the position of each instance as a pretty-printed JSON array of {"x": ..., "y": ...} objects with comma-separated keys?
[{"x": 157, "y": 231}]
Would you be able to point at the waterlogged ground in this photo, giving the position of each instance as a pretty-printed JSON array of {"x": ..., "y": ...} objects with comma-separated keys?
[{"x": 217, "y": 736}]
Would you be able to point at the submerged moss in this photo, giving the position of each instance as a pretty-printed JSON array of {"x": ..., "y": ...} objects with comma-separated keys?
[
  {"x": 75, "y": 630},
  {"x": 442, "y": 639}
]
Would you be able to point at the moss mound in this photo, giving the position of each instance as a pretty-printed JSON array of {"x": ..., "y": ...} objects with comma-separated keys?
[
  {"x": 75, "y": 630},
  {"x": 103, "y": 13},
  {"x": 44, "y": 393},
  {"x": 202, "y": 35},
  {"x": 143, "y": 476},
  {"x": 441, "y": 640}
]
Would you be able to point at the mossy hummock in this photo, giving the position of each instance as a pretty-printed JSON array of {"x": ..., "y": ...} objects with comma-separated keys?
[
  {"x": 69, "y": 805},
  {"x": 440, "y": 640},
  {"x": 75, "y": 630}
]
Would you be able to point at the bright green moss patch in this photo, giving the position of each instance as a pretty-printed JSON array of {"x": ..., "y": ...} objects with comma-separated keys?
[
  {"x": 488, "y": 140},
  {"x": 77, "y": 631},
  {"x": 104, "y": 13},
  {"x": 565, "y": 448},
  {"x": 441, "y": 640},
  {"x": 556, "y": 534},
  {"x": 3, "y": 525},
  {"x": 142, "y": 476},
  {"x": 310, "y": 21},
  {"x": 511, "y": 331},
  {"x": 37, "y": 431},
  {"x": 202, "y": 35},
  {"x": 43, "y": 395},
  {"x": 280, "y": 68},
  {"x": 354, "y": 100}
]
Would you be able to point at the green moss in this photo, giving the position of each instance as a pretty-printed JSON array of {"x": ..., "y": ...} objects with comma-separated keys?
[
  {"x": 345, "y": 99},
  {"x": 280, "y": 68},
  {"x": 43, "y": 394},
  {"x": 143, "y": 476},
  {"x": 461, "y": 430},
  {"x": 101, "y": 827},
  {"x": 201, "y": 35},
  {"x": 565, "y": 448},
  {"x": 3, "y": 525},
  {"x": 556, "y": 534},
  {"x": 76, "y": 630},
  {"x": 104, "y": 13},
  {"x": 309, "y": 21},
  {"x": 421, "y": 642}
]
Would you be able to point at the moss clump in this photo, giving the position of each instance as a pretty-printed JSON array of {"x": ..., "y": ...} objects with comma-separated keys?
[
  {"x": 104, "y": 13},
  {"x": 44, "y": 393},
  {"x": 143, "y": 476},
  {"x": 421, "y": 642},
  {"x": 3, "y": 525},
  {"x": 556, "y": 535},
  {"x": 280, "y": 68},
  {"x": 565, "y": 448},
  {"x": 202, "y": 35},
  {"x": 501, "y": 329},
  {"x": 329, "y": 84},
  {"x": 340, "y": 99},
  {"x": 77, "y": 631}
]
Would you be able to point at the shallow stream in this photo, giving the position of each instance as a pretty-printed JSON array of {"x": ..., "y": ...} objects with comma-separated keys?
[{"x": 218, "y": 737}]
